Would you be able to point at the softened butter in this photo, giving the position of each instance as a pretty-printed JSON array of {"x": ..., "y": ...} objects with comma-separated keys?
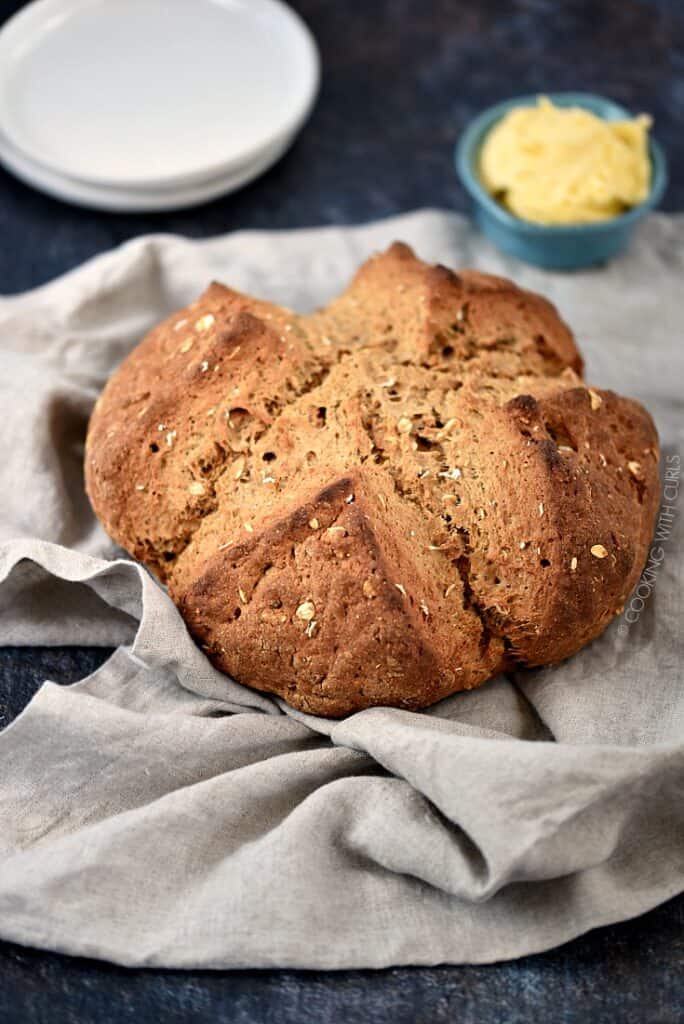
[{"x": 565, "y": 165}]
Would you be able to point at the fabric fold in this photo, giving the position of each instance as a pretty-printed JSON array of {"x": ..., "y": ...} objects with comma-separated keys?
[{"x": 123, "y": 593}]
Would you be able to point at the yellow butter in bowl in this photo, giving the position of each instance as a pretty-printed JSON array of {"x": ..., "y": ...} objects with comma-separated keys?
[{"x": 565, "y": 165}]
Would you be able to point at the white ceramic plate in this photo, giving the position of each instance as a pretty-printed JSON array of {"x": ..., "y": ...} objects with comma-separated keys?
[
  {"x": 142, "y": 94},
  {"x": 116, "y": 200}
]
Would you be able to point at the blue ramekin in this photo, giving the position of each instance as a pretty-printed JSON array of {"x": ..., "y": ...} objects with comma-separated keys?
[{"x": 553, "y": 247}]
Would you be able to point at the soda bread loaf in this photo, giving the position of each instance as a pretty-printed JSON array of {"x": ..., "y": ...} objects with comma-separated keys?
[{"x": 383, "y": 502}]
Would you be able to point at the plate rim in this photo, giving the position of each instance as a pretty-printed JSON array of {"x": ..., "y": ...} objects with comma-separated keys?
[{"x": 131, "y": 201}]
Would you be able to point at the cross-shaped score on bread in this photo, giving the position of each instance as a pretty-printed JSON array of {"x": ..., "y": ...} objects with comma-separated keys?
[{"x": 382, "y": 502}]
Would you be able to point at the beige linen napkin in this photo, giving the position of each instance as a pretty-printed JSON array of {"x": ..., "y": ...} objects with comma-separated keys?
[{"x": 160, "y": 813}]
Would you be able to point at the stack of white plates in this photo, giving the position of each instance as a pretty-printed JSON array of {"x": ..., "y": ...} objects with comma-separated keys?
[{"x": 141, "y": 105}]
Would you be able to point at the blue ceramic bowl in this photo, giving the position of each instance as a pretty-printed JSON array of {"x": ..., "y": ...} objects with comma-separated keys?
[{"x": 554, "y": 247}]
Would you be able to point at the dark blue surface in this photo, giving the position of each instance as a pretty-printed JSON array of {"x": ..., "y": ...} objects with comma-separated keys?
[{"x": 400, "y": 80}]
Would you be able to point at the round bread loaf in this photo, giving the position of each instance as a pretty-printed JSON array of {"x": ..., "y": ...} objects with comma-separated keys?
[{"x": 383, "y": 502}]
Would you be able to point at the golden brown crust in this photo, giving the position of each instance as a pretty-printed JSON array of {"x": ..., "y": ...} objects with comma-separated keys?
[{"x": 383, "y": 502}]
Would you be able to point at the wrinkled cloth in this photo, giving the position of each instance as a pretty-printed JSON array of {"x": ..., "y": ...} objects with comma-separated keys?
[{"x": 158, "y": 813}]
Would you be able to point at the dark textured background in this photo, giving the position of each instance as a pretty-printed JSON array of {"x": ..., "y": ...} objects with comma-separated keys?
[{"x": 400, "y": 80}]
